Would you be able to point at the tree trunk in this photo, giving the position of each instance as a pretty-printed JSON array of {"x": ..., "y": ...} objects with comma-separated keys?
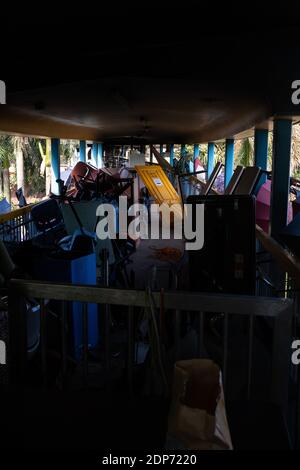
[
  {"x": 48, "y": 180},
  {"x": 20, "y": 164},
  {"x": 6, "y": 184}
]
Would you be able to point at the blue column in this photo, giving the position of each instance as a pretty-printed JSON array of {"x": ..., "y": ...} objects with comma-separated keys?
[
  {"x": 161, "y": 149},
  {"x": 172, "y": 154},
  {"x": 151, "y": 154},
  {"x": 261, "y": 152},
  {"x": 282, "y": 136},
  {"x": 229, "y": 157},
  {"x": 183, "y": 150},
  {"x": 82, "y": 151},
  {"x": 94, "y": 154},
  {"x": 196, "y": 154},
  {"x": 100, "y": 155},
  {"x": 210, "y": 158},
  {"x": 55, "y": 165}
]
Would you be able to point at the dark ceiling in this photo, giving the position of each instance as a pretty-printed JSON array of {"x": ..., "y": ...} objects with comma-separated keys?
[{"x": 147, "y": 74}]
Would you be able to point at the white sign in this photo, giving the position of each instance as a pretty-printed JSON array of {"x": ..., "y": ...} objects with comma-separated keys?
[{"x": 158, "y": 182}]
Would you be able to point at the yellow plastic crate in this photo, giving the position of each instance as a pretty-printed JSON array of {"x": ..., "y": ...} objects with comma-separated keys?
[{"x": 158, "y": 184}]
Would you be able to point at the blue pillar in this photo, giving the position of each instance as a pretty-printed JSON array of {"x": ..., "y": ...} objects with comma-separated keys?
[
  {"x": 261, "y": 152},
  {"x": 196, "y": 154},
  {"x": 55, "y": 165},
  {"x": 210, "y": 158},
  {"x": 94, "y": 154},
  {"x": 161, "y": 149},
  {"x": 282, "y": 136},
  {"x": 229, "y": 157},
  {"x": 82, "y": 151},
  {"x": 172, "y": 154},
  {"x": 100, "y": 155},
  {"x": 183, "y": 153}
]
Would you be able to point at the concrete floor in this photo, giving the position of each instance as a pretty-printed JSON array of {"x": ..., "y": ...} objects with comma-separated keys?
[{"x": 149, "y": 269}]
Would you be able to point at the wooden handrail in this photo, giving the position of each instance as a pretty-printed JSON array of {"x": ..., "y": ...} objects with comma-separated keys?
[
  {"x": 191, "y": 301},
  {"x": 284, "y": 259},
  {"x": 15, "y": 213}
]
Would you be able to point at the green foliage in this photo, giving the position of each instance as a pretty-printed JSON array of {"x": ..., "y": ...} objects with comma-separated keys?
[
  {"x": 245, "y": 155},
  {"x": 219, "y": 152},
  {"x": 67, "y": 150},
  {"x": 6, "y": 151},
  {"x": 32, "y": 162}
]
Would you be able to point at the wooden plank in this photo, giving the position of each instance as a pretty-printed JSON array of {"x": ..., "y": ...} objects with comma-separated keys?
[
  {"x": 161, "y": 160},
  {"x": 185, "y": 301},
  {"x": 15, "y": 213}
]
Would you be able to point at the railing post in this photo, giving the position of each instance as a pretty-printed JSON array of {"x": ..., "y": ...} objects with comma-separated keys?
[
  {"x": 17, "y": 347},
  {"x": 130, "y": 339},
  {"x": 281, "y": 357}
]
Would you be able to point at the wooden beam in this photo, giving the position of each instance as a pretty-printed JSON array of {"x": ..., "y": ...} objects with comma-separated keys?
[
  {"x": 185, "y": 301},
  {"x": 286, "y": 261}
]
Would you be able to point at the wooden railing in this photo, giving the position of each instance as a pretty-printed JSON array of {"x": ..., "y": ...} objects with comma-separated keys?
[
  {"x": 14, "y": 214},
  {"x": 249, "y": 308},
  {"x": 283, "y": 258},
  {"x": 16, "y": 225}
]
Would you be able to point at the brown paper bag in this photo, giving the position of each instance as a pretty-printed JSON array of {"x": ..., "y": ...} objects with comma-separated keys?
[{"x": 197, "y": 404}]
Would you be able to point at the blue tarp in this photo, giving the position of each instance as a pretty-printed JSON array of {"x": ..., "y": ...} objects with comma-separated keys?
[{"x": 4, "y": 206}]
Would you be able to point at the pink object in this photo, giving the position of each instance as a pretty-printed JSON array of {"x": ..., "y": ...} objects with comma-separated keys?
[
  {"x": 199, "y": 167},
  {"x": 263, "y": 203}
]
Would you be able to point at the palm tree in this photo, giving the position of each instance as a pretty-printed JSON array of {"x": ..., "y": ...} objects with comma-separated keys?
[
  {"x": 6, "y": 156},
  {"x": 245, "y": 153},
  {"x": 45, "y": 168},
  {"x": 19, "y": 143}
]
